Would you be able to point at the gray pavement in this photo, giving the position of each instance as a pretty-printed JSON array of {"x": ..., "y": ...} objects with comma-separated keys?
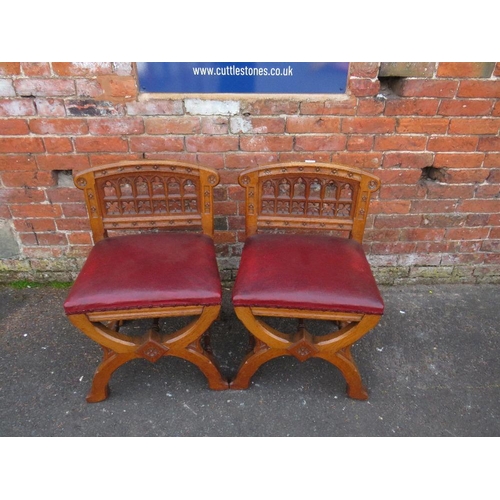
[{"x": 431, "y": 367}]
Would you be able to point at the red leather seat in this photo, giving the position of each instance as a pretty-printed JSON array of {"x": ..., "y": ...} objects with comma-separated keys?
[
  {"x": 147, "y": 270},
  {"x": 313, "y": 272}
]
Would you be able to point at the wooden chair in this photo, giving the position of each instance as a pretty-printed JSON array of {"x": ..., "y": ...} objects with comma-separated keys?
[
  {"x": 154, "y": 272},
  {"x": 320, "y": 276}
]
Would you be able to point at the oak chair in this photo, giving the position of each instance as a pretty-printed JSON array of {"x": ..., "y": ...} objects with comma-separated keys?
[
  {"x": 303, "y": 259},
  {"x": 165, "y": 269}
]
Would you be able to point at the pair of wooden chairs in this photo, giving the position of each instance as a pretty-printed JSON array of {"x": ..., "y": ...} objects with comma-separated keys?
[{"x": 167, "y": 267}]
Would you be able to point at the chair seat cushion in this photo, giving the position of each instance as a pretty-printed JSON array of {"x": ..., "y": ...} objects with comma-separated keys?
[
  {"x": 312, "y": 272},
  {"x": 147, "y": 271}
]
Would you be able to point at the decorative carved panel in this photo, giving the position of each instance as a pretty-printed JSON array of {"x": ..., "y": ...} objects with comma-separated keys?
[{"x": 308, "y": 196}]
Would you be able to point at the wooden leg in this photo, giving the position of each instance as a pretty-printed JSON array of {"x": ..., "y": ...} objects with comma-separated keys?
[
  {"x": 252, "y": 362},
  {"x": 195, "y": 354},
  {"x": 344, "y": 362},
  {"x": 119, "y": 349},
  {"x": 100, "y": 383},
  {"x": 334, "y": 348}
]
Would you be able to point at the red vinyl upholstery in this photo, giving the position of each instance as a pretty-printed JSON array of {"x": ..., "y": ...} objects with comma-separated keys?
[
  {"x": 313, "y": 272},
  {"x": 145, "y": 271}
]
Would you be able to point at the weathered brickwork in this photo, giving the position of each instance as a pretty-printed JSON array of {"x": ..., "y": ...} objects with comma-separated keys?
[{"x": 429, "y": 130}]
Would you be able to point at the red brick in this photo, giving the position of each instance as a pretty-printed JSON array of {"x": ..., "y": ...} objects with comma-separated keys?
[
  {"x": 25, "y": 194},
  {"x": 261, "y": 125},
  {"x": 398, "y": 176},
  {"x": 388, "y": 192},
  {"x": 38, "y": 225},
  {"x": 81, "y": 68},
  {"x": 116, "y": 126},
  {"x": 31, "y": 179},
  {"x": 400, "y": 142},
  {"x": 36, "y": 211},
  {"x": 246, "y": 160},
  {"x": 89, "y": 88},
  {"x": 62, "y": 162},
  {"x": 480, "y": 206},
  {"x": 363, "y": 87},
  {"x": 358, "y": 125},
  {"x": 343, "y": 106},
  {"x": 10, "y": 68},
  {"x": 45, "y": 87},
  {"x": 59, "y": 126},
  {"x": 465, "y": 69},
  {"x": 118, "y": 87},
  {"x": 433, "y": 206},
  {"x": 17, "y": 107},
  {"x": 489, "y": 144},
  {"x": 217, "y": 125},
  {"x": 318, "y": 156},
  {"x": 156, "y": 144},
  {"x": 77, "y": 210},
  {"x": 488, "y": 191},
  {"x": 370, "y": 106},
  {"x": 496, "y": 109},
  {"x": 458, "y": 160},
  {"x": 364, "y": 69},
  {"x": 479, "y": 88},
  {"x": 167, "y": 125},
  {"x": 320, "y": 143},
  {"x": 444, "y": 220},
  {"x": 492, "y": 160},
  {"x": 397, "y": 221},
  {"x": 103, "y": 159},
  {"x": 50, "y": 107},
  {"x": 17, "y": 162},
  {"x": 21, "y": 145},
  {"x": 426, "y": 88},
  {"x": 474, "y": 126},
  {"x": 382, "y": 235},
  {"x": 422, "y": 125},
  {"x": 80, "y": 238},
  {"x": 43, "y": 239},
  {"x": 265, "y": 143},
  {"x": 467, "y": 233},
  {"x": 477, "y": 220},
  {"x": 312, "y": 124},
  {"x": 14, "y": 126},
  {"x": 466, "y": 107},
  {"x": 64, "y": 195},
  {"x": 100, "y": 144},
  {"x": 359, "y": 160},
  {"x": 58, "y": 144},
  {"x": 35, "y": 68},
  {"x": 463, "y": 143},
  {"x": 72, "y": 224},
  {"x": 270, "y": 107},
  {"x": 396, "y": 247},
  {"x": 468, "y": 175},
  {"x": 422, "y": 234},
  {"x": 360, "y": 143},
  {"x": 450, "y": 191},
  {"x": 496, "y": 71},
  {"x": 390, "y": 207},
  {"x": 408, "y": 160},
  {"x": 417, "y": 107}
]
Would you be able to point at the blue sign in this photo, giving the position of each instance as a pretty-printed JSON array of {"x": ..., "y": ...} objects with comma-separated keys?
[{"x": 243, "y": 78}]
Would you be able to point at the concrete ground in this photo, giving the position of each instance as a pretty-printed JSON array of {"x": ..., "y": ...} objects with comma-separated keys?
[{"x": 431, "y": 367}]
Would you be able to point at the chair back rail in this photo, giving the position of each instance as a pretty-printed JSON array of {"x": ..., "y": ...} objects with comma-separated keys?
[
  {"x": 148, "y": 194},
  {"x": 308, "y": 196}
]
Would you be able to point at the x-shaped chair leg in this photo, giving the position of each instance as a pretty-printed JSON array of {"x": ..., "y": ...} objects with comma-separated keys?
[
  {"x": 335, "y": 347},
  {"x": 118, "y": 349}
]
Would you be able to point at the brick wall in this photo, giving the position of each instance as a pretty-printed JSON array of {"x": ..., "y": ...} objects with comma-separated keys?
[{"x": 429, "y": 130}]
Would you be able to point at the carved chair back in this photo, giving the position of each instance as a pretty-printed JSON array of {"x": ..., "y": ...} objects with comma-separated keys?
[
  {"x": 148, "y": 194},
  {"x": 308, "y": 196}
]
